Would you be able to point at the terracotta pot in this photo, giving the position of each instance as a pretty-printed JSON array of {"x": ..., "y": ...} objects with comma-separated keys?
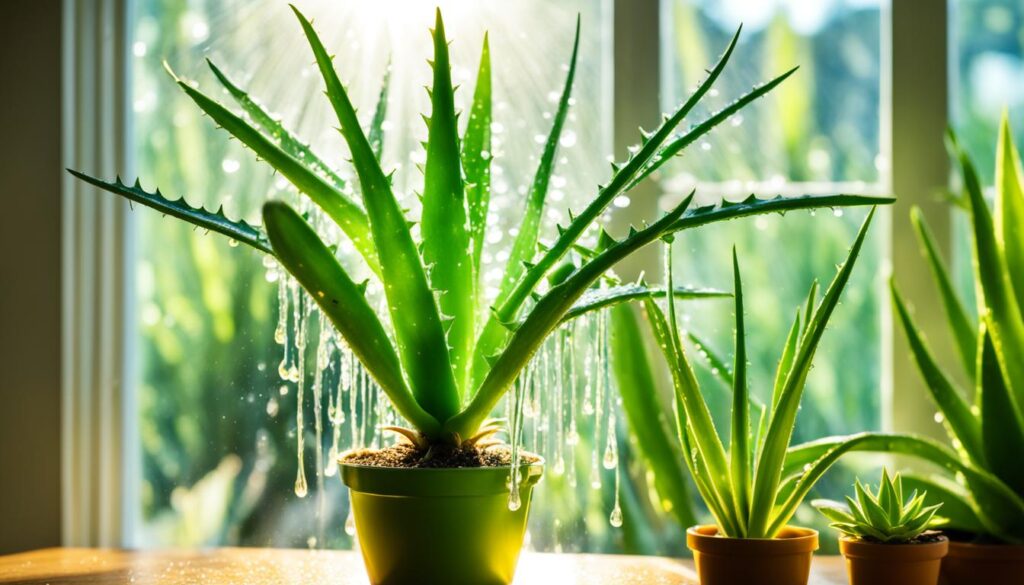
[
  {"x": 870, "y": 563},
  {"x": 992, "y": 564},
  {"x": 450, "y": 526},
  {"x": 783, "y": 560}
]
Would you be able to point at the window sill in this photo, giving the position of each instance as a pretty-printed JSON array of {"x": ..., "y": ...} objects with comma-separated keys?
[{"x": 275, "y": 566}]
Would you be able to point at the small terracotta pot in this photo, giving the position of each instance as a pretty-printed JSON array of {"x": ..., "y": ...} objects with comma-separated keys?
[
  {"x": 783, "y": 560},
  {"x": 870, "y": 563},
  {"x": 992, "y": 564}
]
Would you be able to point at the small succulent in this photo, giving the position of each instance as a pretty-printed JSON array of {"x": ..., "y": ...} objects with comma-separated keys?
[{"x": 883, "y": 516}]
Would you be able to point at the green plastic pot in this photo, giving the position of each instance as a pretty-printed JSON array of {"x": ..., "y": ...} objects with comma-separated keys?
[{"x": 449, "y": 526}]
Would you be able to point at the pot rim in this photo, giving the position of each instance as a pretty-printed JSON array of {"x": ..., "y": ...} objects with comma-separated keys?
[
  {"x": 855, "y": 548},
  {"x": 437, "y": 481},
  {"x": 991, "y": 551},
  {"x": 792, "y": 540}
]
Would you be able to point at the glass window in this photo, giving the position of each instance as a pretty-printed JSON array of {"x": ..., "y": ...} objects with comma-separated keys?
[{"x": 986, "y": 74}]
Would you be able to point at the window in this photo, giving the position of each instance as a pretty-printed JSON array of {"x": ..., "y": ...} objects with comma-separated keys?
[{"x": 217, "y": 421}]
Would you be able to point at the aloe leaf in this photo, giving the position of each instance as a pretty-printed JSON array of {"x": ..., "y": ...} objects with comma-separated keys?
[
  {"x": 545, "y": 316},
  {"x": 525, "y": 245},
  {"x": 477, "y": 155},
  {"x": 215, "y": 221},
  {"x": 962, "y": 423},
  {"x": 707, "y": 444},
  {"x": 958, "y": 510},
  {"x": 1001, "y": 509},
  {"x": 596, "y": 299},
  {"x": 526, "y": 240},
  {"x": 380, "y": 114},
  {"x": 349, "y": 217},
  {"x": 414, "y": 314},
  {"x": 635, "y": 379},
  {"x": 680, "y": 143},
  {"x": 313, "y": 264},
  {"x": 786, "y": 360},
  {"x": 714, "y": 489},
  {"x": 276, "y": 130},
  {"x": 720, "y": 370},
  {"x": 812, "y": 300},
  {"x": 622, "y": 176},
  {"x": 783, "y": 419},
  {"x": 751, "y": 206},
  {"x": 446, "y": 245},
  {"x": 1002, "y": 431},
  {"x": 1007, "y": 325},
  {"x": 1009, "y": 215},
  {"x": 807, "y": 477},
  {"x": 739, "y": 447},
  {"x": 964, "y": 331}
]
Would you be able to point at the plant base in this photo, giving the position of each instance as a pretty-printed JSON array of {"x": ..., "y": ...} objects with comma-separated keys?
[
  {"x": 450, "y": 526},
  {"x": 991, "y": 564},
  {"x": 869, "y": 563},
  {"x": 784, "y": 560}
]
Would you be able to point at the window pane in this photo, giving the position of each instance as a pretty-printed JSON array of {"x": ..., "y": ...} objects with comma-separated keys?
[
  {"x": 217, "y": 422},
  {"x": 987, "y": 75},
  {"x": 820, "y": 125}
]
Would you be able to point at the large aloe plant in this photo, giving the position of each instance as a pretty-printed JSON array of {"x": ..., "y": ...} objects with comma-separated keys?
[
  {"x": 749, "y": 488},
  {"x": 442, "y": 359},
  {"x": 987, "y": 430}
]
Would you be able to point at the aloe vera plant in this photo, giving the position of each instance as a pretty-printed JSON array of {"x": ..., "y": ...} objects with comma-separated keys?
[
  {"x": 987, "y": 430},
  {"x": 746, "y": 488},
  {"x": 883, "y": 516},
  {"x": 442, "y": 358}
]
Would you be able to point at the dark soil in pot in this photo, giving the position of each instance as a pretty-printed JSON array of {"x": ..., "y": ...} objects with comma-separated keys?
[
  {"x": 784, "y": 560},
  {"x": 439, "y": 519},
  {"x": 913, "y": 563},
  {"x": 407, "y": 456},
  {"x": 973, "y": 561}
]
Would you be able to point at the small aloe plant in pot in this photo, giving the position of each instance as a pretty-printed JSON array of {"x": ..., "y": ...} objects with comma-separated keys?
[
  {"x": 885, "y": 537},
  {"x": 745, "y": 488},
  {"x": 441, "y": 357}
]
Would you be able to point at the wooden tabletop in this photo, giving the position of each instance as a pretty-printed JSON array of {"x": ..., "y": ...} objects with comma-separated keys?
[{"x": 254, "y": 566}]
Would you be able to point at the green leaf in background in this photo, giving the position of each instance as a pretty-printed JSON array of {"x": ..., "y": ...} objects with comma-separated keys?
[
  {"x": 964, "y": 331},
  {"x": 963, "y": 424},
  {"x": 380, "y": 113},
  {"x": 447, "y": 251},
  {"x": 958, "y": 509},
  {"x": 647, "y": 418},
  {"x": 414, "y": 314}
]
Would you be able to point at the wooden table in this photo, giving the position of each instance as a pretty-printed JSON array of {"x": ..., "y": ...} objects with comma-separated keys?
[{"x": 83, "y": 566}]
